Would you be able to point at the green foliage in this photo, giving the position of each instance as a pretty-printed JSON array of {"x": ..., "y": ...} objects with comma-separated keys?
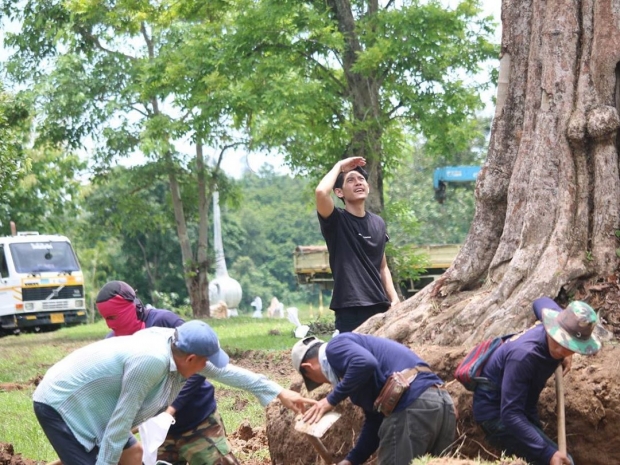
[
  {"x": 269, "y": 74},
  {"x": 412, "y": 183},
  {"x": 14, "y": 116},
  {"x": 44, "y": 199},
  {"x": 275, "y": 215},
  {"x": 404, "y": 262},
  {"x": 308, "y": 89},
  {"x": 127, "y": 233}
]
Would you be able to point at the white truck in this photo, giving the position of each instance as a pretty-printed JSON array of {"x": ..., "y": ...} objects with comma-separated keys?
[{"x": 41, "y": 283}]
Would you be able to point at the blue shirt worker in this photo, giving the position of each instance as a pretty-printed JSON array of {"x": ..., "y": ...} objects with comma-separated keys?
[
  {"x": 88, "y": 402},
  {"x": 519, "y": 369},
  {"x": 358, "y": 366},
  {"x": 198, "y": 436},
  {"x": 356, "y": 241}
]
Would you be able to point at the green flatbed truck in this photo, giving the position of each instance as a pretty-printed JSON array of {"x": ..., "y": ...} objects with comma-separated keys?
[{"x": 311, "y": 263}]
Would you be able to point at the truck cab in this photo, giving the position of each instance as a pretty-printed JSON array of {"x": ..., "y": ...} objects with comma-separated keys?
[{"x": 41, "y": 283}]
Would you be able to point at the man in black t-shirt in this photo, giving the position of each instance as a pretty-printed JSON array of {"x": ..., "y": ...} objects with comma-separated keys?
[{"x": 356, "y": 243}]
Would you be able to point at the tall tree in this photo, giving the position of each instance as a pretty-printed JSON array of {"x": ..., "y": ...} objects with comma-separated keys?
[
  {"x": 332, "y": 79},
  {"x": 548, "y": 196}
]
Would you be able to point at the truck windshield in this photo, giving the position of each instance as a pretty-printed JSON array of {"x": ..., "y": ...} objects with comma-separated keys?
[{"x": 38, "y": 257}]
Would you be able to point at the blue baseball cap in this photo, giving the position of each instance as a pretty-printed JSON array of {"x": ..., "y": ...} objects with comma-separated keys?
[{"x": 197, "y": 337}]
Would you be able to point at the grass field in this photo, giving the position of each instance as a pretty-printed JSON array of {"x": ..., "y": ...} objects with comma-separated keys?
[{"x": 28, "y": 356}]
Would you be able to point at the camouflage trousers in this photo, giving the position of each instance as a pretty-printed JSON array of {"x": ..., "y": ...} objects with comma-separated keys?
[{"x": 204, "y": 445}]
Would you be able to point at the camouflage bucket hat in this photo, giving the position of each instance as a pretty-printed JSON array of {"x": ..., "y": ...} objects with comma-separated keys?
[{"x": 572, "y": 328}]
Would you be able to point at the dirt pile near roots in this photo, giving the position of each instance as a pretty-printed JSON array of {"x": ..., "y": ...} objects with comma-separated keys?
[
  {"x": 9, "y": 457},
  {"x": 248, "y": 442},
  {"x": 592, "y": 414}
]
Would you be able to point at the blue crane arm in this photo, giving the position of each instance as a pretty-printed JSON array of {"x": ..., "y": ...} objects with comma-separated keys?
[{"x": 455, "y": 174}]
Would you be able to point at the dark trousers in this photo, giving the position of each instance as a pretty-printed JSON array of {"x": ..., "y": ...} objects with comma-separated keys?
[
  {"x": 498, "y": 437},
  {"x": 62, "y": 439},
  {"x": 347, "y": 319},
  {"x": 426, "y": 426}
]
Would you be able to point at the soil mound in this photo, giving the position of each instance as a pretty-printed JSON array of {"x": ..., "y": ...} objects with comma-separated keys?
[
  {"x": 9, "y": 457},
  {"x": 249, "y": 444}
]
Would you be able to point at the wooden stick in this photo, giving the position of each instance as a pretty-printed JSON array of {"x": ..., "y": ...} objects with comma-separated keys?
[
  {"x": 559, "y": 392},
  {"x": 321, "y": 449}
]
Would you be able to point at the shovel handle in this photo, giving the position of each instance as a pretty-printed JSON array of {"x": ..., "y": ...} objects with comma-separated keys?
[
  {"x": 559, "y": 392},
  {"x": 320, "y": 448}
]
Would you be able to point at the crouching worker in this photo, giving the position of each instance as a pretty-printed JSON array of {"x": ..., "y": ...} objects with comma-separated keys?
[
  {"x": 88, "y": 403},
  {"x": 198, "y": 436},
  {"x": 519, "y": 370},
  {"x": 358, "y": 366}
]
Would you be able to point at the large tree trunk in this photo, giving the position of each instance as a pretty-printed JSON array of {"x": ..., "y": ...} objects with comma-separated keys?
[{"x": 547, "y": 198}]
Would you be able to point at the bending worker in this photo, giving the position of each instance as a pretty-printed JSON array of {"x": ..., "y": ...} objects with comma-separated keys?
[
  {"x": 423, "y": 420},
  {"x": 88, "y": 403}
]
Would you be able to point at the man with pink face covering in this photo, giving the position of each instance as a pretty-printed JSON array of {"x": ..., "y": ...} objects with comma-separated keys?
[
  {"x": 198, "y": 436},
  {"x": 123, "y": 312}
]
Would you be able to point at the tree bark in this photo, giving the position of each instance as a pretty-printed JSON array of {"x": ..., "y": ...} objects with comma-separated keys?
[
  {"x": 547, "y": 198},
  {"x": 363, "y": 93},
  {"x": 203, "y": 244},
  {"x": 190, "y": 271}
]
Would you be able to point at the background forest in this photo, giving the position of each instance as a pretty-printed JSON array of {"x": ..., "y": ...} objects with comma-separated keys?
[
  {"x": 116, "y": 118},
  {"x": 124, "y": 231}
]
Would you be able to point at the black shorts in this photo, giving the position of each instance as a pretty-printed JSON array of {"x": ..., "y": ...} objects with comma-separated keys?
[{"x": 347, "y": 319}]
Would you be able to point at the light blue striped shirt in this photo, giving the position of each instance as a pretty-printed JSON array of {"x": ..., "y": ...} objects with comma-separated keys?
[{"x": 105, "y": 389}]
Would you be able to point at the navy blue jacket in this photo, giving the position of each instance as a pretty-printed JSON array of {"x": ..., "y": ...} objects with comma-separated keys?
[
  {"x": 363, "y": 363},
  {"x": 521, "y": 367}
]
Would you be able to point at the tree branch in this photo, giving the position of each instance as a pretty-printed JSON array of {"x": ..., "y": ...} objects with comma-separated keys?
[
  {"x": 221, "y": 156},
  {"x": 148, "y": 40},
  {"x": 329, "y": 75},
  {"x": 393, "y": 110},
  {"x": 146, "y": 263},
  {"x": 88, "y": 36},
  {"x": 144, "y": 112}
]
